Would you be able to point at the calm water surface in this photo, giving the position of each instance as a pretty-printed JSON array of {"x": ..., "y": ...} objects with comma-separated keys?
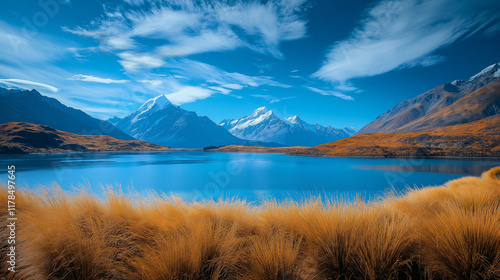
[{"x": 201, "y": 175}]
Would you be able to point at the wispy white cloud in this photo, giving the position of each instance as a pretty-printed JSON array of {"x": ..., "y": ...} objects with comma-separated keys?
[
  {"x": 190, "y": 27},
  {"x": 272, "y": 99},
  {"x": 90, "y": 78},
  {"x": 221, "y": 90},
  {"x": 189, "y": 94},
  {"x": 27, "y": 84},
  {"x": 233, "y": 86},
  {"x": 330, "y": 93},
  {"x": 151, "y": 82},
  {"x": 205, "y": 72},
  {"x": 181, "y": 28},
  {"x": 406, "y": 33},
  {"x": 180, "y": 77},
  {"x": 133, "y": 62}
]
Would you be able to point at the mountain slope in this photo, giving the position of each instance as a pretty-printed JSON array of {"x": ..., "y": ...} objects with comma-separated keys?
[
  {"x": 405, "y": 116},
  {"x": 160, "y": 122},
  {"x": 475, "y": 139},
  {"x": 32, "y": 107},
  {"x": 17, "y": 137},
  {"x": 266, "y": 126},
  {"x": 480, "y": 104}
]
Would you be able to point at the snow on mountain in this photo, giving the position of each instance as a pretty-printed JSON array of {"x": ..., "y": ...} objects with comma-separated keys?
[
  {"x": 160, "y": 122},
  {"x": 492, "y": 68},
  {"x": 267, "y": 126},
  {"x": 151, "y": 106},
  {"x": 413, "y": 115}
]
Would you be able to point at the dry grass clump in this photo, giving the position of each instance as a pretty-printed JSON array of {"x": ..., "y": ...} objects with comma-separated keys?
[{"x": 447, "y": 232}]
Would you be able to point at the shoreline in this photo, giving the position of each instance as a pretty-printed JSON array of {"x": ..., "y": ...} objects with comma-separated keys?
[{"x": 258, "y": 152}]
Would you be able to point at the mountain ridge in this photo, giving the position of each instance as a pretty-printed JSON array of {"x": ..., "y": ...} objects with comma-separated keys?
[
  {"x": 430, "y": 102},
  {"x": 32, "y": 107},
  {"x": 267, "y": 126},
  {"x": 480, "y": 138},
  {"x": 159, "y": 121}
]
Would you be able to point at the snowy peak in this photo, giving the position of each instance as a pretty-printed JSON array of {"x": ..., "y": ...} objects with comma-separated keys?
[
  {"x": 266, "y": 126},
  {"x": 260, "y": 111},
  {"x": 158, "y": 103},
  {"x": 159, "y": 122},
  {"x": 492, "y": 70},
  {"x": 151, "y": 106},
  {"x": 295, "y": 119}
]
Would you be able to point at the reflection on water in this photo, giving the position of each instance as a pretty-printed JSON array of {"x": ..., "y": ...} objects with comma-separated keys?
[{"x": 464, "y": 169}]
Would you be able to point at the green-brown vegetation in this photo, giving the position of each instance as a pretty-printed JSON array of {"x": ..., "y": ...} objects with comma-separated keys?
[
  {"x": 18, "y": 137},
  {"x": 475, "y": 139},
  {"x": 446, "y": 232}
]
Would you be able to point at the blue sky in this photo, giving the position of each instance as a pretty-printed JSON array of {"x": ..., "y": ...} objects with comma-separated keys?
[{"x": 337, "y": 63}]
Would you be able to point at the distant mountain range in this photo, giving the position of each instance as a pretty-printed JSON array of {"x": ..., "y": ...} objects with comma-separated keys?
[
  {"x": 159, "y": 121},
  {"x": 32, "y": 107},
  {"x": 266, "y": 126},
  {"x": 458, "y": 102}
]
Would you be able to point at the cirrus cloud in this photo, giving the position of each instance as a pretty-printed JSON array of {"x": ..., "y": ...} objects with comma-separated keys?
[
  {"x": 406, "y": 33},
  {"x": 330, "y": 93},
  {"x": 190, "y": 27},
  {"x": 25, "y": 83},
  {"x": 189, "y": 94},
  {"x": 90, "y": 78}
]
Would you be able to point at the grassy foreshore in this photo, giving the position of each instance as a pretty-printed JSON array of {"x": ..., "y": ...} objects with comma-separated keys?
[{"x": 446, "y": 232}]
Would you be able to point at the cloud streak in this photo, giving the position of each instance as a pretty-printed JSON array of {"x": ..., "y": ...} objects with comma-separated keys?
[
  {"x": 190, "y": 27},
  {"x": 189, "y": 94},
  {"x": 90, "y": 78},
  {"x": 330, "y": 93},
  {"x": 406, "y": 33},
  {"x": 24, "y": 83}
]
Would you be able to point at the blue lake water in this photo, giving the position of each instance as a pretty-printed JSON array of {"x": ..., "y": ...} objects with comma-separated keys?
[{"x": 204, "y": 175}]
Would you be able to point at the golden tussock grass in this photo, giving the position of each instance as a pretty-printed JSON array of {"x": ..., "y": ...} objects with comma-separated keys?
[{"x": 446, "y": 232}]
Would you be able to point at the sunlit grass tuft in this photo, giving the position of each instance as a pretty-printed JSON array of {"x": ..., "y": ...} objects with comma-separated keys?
[{"x": 446, "y": 232}]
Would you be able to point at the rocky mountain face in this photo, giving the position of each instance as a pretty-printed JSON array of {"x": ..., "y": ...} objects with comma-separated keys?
[
  {"x": 159, "y": 121},
  {"x": 479, "y": 138},
  {"x": 31, "y": 107},
  {"x": 452, "y": 103},
  {"x": 266, "y": 126}
]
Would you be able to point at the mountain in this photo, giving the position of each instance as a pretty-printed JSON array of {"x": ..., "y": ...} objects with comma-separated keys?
[
  {"x": 32, "y": 107},
  {"x": 160, "y": 122},
  {"x": 266, "y": 126},
  {"x": 452, "y": 103},
  {"x": 479, "y": 138},
  {"x": 18, "y": 137},
  {"x": 480, "y": 104}
]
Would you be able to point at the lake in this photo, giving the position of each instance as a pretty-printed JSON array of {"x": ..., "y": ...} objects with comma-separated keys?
[{"x": 204, "y": 175}]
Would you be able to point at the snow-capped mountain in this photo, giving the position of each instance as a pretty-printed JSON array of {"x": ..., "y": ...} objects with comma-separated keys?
[
  {"x": 267, "y": 126},
  {"x": 160, "y": 122},
  {"x": 416, "y": 114}
]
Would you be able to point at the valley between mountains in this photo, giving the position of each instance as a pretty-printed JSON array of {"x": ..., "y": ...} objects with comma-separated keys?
[{"x": 456, "y": 119}]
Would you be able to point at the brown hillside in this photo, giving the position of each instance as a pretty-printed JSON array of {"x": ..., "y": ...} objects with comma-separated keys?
[
  {"x": 477, "y": 105},
  {"x": 437, "y": 108},
  {"x": 476, "y": 139},
  {"x": 17, "y": 137}
]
